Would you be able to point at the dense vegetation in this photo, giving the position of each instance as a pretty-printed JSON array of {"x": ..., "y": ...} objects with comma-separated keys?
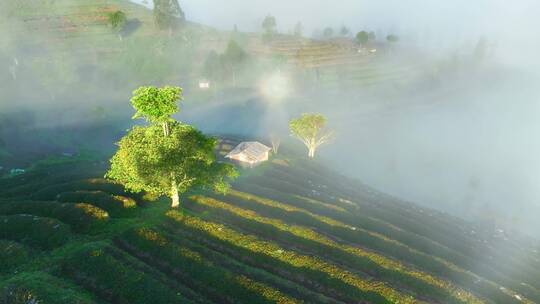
[{"x": 289, "y": 231}]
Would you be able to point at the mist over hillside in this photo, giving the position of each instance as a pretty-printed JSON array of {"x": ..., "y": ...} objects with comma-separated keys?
[
  {"x": 445, "y": 134},
  {"x": 273, "y": 152}
]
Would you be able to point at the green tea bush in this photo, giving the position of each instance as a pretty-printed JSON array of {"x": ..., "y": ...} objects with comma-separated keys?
[
  {"x": 441, "y": 228},
  {"x": 81, "y": 217},
  {"x": 282, "y": 284},
  {"x": 301, "y": 267},
  {"x": 40, "y": 287},
  {"x": 435, "y": 260},
  {"x": 95, "y": 268},
  {"x": 12, "y": 254},
  {"x": 36, "y": 231},
  {"x": 215, "y": 282},
  {"x": 314, "y": 243},
  {"x": 115, "y": 205},
  {"x": 300, "y": 211},
  {"x": 50, "y": 193}
]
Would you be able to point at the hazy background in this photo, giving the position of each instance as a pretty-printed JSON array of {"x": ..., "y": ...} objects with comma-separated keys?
[{"x": 512, "y": 25}]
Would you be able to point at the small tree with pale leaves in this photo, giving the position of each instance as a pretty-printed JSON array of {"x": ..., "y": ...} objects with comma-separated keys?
[
  {"x": 276, "y": 142},
  {"x": 311, "y": 130}
]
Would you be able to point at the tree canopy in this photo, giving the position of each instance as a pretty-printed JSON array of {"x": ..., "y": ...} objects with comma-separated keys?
[
  {"x": 168, "y": 14},
  {"x": 117, "y": 20},
  {"x": 392, "y": 38},
  {"x": 311, "y": 130},
  {"x": 156, "y": 105},
  {"x": 328, "y": 32},
  {"x": 269, "y": 24},
  {"x": 362, "y": 37},
  {"x": 270, "y": 28},
  {"x": 168, "y": 165},
  {"x": 344, "y": 31},
  {"x": 233, "y": 57},
  {"x": 234, "y": 53}
]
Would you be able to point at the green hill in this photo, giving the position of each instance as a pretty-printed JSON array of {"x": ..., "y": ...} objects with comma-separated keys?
[{"x": 290, "y": 231}]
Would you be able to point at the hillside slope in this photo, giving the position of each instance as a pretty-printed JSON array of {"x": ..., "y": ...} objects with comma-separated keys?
[
  {"x": 290, "y": 231},
  {"x": 65, "y": 49}
]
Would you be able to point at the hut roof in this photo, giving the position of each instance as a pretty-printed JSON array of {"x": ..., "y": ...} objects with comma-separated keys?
[{"x": 252, "y": 150}]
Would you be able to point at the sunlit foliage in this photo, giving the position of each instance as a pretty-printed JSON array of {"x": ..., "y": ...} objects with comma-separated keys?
[
  {"x": 310, "y": 129},
  {"x": 148, "y": 161}
]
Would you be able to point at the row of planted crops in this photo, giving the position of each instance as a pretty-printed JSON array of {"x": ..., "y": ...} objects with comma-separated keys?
[{"x": 288, "y": 235}]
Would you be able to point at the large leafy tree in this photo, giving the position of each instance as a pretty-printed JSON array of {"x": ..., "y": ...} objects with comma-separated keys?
[
  {"x": 168, "y": 14},
  {"x": 166, "y": 157},
  {"x": 311, "y": 130}
]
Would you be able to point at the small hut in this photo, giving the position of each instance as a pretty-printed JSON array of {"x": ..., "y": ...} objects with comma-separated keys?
[
  {"x": 250, "y": 153},
  {"x": 204, "y": 84}
]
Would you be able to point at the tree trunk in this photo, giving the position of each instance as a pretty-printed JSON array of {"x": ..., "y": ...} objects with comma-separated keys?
[
  {"x": 311, "y": 153},
  {"x": 174, "y": 195},
  {"x": 165, "y": 129}
]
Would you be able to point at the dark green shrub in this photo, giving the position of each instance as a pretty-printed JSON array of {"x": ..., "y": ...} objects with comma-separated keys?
[
  {"x": 98, "y": 184},
  {"x": 12, "y": 254},
  {"x": 81, "y": 217},
  {"x": 412, "y": 240},
  {"x": 309, "y": 270},
  {"x": 215, "y": 282},
  {"x": 40, "y": 288},
  {"x": 116, "y": 205},
  {"x": 33, "y": 230},
  {"x": 308, "y": 242},
  {"x": 95, "y": 268}
]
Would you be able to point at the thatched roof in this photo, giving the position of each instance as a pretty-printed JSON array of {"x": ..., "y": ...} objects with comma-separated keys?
[{"x": 251, "y": 150}]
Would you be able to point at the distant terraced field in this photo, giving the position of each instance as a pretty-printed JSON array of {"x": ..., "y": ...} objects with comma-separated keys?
[
  {"x": 340, "y": 64},
  {"x": 70, "y": 41},
  {"x": 290, "y": 231}
]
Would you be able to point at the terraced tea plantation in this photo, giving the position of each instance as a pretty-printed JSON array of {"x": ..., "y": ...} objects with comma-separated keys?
[{"x": 290, "y": 231}]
